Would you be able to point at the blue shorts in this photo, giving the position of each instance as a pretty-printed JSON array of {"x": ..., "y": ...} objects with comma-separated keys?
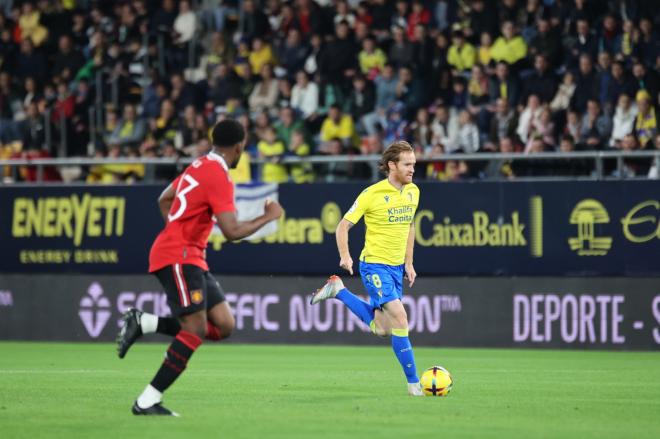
[{"x": 384, "y": 283}]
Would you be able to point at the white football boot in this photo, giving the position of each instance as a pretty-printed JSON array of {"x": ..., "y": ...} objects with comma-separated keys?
[
  {"x": 332, "y": 286},
  {"x": 415, "y": 389}
]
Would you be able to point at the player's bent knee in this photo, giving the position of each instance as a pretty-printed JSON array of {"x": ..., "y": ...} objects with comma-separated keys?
[{"x": 194, "y": 323}]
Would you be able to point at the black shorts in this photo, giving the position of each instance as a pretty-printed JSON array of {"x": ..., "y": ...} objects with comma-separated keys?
[{"x": 189, "y": 288}]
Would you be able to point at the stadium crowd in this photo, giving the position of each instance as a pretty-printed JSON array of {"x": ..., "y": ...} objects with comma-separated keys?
[{"x": 335, "y": 77}]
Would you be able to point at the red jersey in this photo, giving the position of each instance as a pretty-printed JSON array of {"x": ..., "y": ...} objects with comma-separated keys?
[{"x": 204, "y": 189}]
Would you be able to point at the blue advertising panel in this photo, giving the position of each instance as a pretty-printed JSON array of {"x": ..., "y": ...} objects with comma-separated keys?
[{"x": 502, "y": 228}]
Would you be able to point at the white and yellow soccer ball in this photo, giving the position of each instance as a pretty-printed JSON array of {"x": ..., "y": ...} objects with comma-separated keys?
[{"x": 436, "y": 381}]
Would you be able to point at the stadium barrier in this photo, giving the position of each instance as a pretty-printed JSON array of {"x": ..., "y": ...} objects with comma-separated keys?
[
  {"x": 614, "y": 170},
  {"x": 570, "y": 228},
  {"x": 583, "y": 313}
]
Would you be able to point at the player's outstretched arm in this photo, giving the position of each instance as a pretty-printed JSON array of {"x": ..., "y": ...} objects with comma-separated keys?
[
  {"x": 345, "y": 260},
  {"x": 410, "y": 245},
  {"x": 165, "y": 201},
  {"x": 234, "y": 229}
]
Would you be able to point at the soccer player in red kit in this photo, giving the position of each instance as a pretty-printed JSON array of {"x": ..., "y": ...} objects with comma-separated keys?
[{"x": 190, "y": 205}]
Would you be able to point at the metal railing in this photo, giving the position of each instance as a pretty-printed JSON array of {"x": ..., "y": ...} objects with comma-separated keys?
[{"x": 598, "y": 157}]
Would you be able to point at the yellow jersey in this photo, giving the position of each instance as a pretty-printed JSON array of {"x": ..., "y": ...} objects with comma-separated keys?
[{"x": 388, "y": 213}]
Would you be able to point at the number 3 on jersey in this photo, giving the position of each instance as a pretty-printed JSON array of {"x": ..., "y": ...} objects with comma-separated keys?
[{"x": 181, "y": 195}]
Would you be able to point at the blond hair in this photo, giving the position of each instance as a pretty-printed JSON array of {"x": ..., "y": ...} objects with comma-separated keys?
[{"x": 392, "y": 154}]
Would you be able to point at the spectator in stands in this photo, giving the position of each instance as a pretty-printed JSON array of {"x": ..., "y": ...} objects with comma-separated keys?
[
  {"x": 273, "y": 150},
  {"x": 372, "y": 59},
  {"x": 409, "y": 90},
  {"x": 193, "y": 127},
  {"x": 219, "y": 52},
  {"x": 292, "y": 53},
  {"x": 338, "y": 126},
  {"x": 130, "y": 130},
  {"x": 542, "y": 82},
  {"x": 421, "y": 132},
  {"x": 645, "y": 79},
  {"x": 564, "y": 95},
  {"x": 166, "y": 126},
  {"x": 361, "y": 100},
  {"x": 586, "y": 84},
  {"x": 302, "y": 172},
  {"x": 223, "y": 85},
  {"x": 386, "y": 94},
  {"x": 542, "y": 128},
  {"x": 108, "y": 40},
  {"x": 528, "y": 117},
  {"x": 623, "y": 121},
  {"x": 396, "y": 125},
  {"x": 305, "y": 96},
  {"x": 546, "y": 42},
  {"x": 620, "y": 84},
  {"x": 260, "y": 55},
  {"x": 29, "y": 23},
  {"x": 461, "y": 55},
  {"x": 264, "y": 94},
  {"x": 254, "y": 23},
  {"x": 646, "y": 122},
  {"x": 287, "y": 124},
  {"x": 509, "y": 47},
  {"x": 33, "y": 129},
  {"x": 478, "y": 97},
  {"x": 30, "y": 62},
  {"x": 596, "y": 126},
  {"x": 503, "y": 85},
  {"x": 584, "y": 43},
  {"x": 503, "y": 123},
  {"x": 185, "y": 24},
  {"x": 468, "y": 134},
  {"x": 68, "y": 60},
  {"x": 338, "y": 59},
  {"x": 444, "y": 128},
  {"x": 182, "y": 93}
]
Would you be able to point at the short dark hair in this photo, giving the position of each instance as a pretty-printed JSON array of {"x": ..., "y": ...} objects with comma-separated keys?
[{"x": 227, "y": 133}]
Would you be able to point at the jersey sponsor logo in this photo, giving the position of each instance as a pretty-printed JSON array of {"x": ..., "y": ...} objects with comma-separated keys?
[
  {"x": 353, "y": 207},
  {"x": 400, "y": 214}
]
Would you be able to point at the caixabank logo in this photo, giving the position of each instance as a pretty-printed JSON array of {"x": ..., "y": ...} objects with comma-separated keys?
[{"x": 484, "y": 229}]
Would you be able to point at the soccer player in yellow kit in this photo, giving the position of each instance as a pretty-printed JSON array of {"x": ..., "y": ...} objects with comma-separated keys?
[{"x": 388, "y": 208}]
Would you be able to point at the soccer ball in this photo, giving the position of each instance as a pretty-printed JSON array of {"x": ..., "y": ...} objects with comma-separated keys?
[{"x": 436, "y": 381}]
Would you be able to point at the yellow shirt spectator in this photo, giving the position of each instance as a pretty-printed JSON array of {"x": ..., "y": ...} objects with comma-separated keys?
[
  {"x": 343, "y": 129},
  {"x": 372, "y": 61},
  {"x": 272, "y": 172},
  {"x": 462, "y": 58},
  {"x": 484, "y": 55},
  {"x": 510, "y": 51},
  {"x": 259, "y": 57},
  {"x": 301, "y": 172}
]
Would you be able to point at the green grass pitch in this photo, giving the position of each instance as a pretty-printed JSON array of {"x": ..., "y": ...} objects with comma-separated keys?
[{"x": 268, "y": 391}]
